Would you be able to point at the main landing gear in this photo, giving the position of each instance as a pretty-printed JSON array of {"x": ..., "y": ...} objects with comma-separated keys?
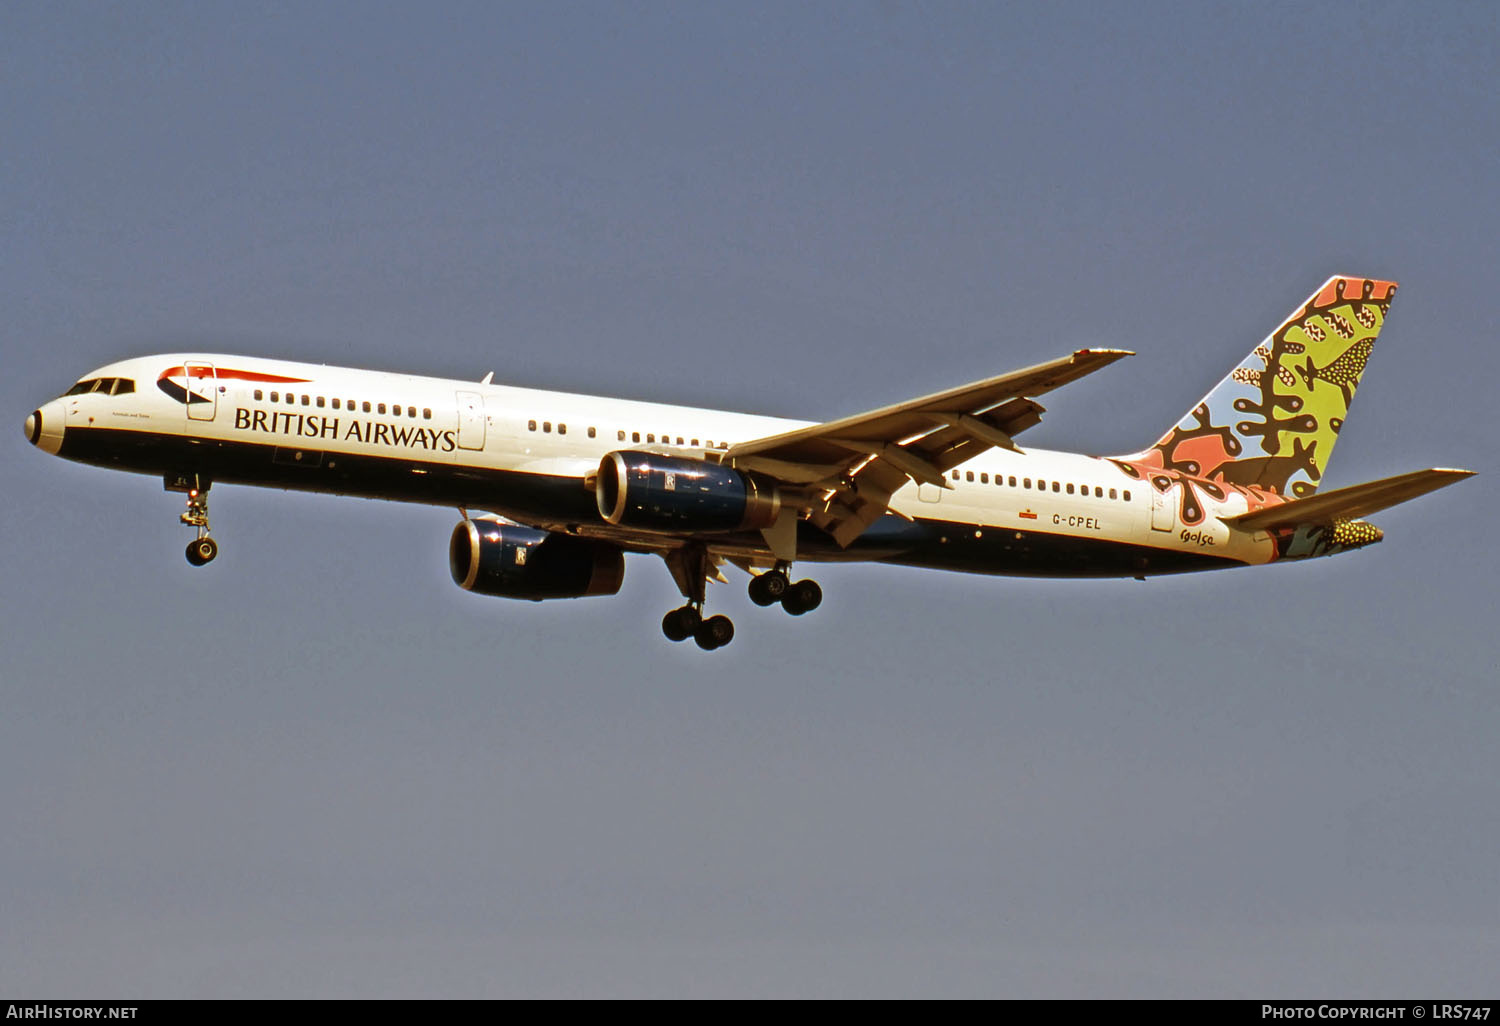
[
  {"x": 201, "y": 549},
  {"x": 691, "y": 567},
  {"x": 688, "y": 622},
  {"x": 773, "y": 586}
]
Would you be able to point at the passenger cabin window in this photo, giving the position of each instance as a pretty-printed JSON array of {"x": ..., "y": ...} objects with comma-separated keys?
[
  {"x": 380, "y": 408},
  {"x": 591, "y": 432},
  {"x": 320, "y": 402},
  {"x": 258, "y": 395},
  {"x": 307, "y": 400},
  {"x": 1127, "y": 495},
  {"x": 1070, "y": 487},
  {"x": 335, "y": 404},
  {"x": 411, "y": 411},
  {"x": 275, "y": 397},
  {"x": 562, "y": 429},
  {"x": 366, "y": 405},
  {"x": 426, "y": 413},
  {"x": 531, "y": 425},
  {"x": 1055, "y": 486},
  {"x": 620, "y": 436},
  {"x": 635, "y": 436},
  {"x": 984, "y": 479},
  {"x": 547, "y": 426},
  {"x": 650, "y": 438},
  {"x": 1112, "y": 494}
]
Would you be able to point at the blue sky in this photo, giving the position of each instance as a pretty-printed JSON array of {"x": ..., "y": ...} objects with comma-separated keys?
[{"x": 316, "y": 768}]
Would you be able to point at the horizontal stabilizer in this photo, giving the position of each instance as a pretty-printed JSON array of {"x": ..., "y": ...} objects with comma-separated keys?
[{"x": 1348, "y": 503}]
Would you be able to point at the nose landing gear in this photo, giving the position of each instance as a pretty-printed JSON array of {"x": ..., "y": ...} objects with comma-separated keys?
[{"x": 202, "y": 549}]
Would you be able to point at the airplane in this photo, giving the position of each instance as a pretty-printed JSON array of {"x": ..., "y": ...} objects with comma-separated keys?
[{"x": 554, "y": 488}]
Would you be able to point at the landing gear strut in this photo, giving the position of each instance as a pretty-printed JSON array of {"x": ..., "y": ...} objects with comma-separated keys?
[
  {"x": 690, "y": 567},
  {"x": 773, "y": 586},
  {"x": 688, "y": 622},
  {"x": 201, "y": 549}
]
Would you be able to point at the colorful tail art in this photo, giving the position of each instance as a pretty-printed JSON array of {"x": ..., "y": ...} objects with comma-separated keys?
[{"x": 1273, "y": 421}]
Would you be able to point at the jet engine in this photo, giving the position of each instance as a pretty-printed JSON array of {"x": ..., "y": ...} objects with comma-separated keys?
[
  {"x": 656, "y": 492},
  {"x": 494, "y": 558}
]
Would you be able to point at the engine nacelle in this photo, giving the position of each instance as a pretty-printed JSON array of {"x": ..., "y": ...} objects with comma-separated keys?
[
  {"x": 656, "y": 492},
  {"x": 492, "y": 558}
]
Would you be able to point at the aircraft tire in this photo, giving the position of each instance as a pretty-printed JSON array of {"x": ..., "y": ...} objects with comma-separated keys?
[
  {"x": 715, "y": 632},
  {"x": 679, "y": 624},
  {"x": 802, "y": 597},
  {"x": 768, "y": 588},
  {"x": 201, "y": 551}
]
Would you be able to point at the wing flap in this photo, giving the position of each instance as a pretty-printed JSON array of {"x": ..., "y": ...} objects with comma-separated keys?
[
  {"x": 850, "y": 468},
  {"x": 1349, "y": 503},
  {"x": 902, "y": 422}
]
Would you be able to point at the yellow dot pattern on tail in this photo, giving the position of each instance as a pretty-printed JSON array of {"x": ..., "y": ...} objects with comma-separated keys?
[{"x": 1272, "y": 423}]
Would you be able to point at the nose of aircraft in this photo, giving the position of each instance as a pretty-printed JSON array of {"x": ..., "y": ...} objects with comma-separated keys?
[{"x": 44, "y": 428}]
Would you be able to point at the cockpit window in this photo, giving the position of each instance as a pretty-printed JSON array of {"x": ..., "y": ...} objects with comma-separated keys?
[{"x": 108, "y": 386}]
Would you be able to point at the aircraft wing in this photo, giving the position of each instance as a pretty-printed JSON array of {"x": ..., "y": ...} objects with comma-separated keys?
[
  {"x": 1349, "y": 503},
  {"x": 846, "y": 470}
]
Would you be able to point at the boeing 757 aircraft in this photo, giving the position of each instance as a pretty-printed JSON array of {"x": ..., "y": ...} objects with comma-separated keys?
[{"x": 554, "y": 488}]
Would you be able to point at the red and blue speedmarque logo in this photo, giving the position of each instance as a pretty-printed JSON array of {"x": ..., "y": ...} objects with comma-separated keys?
[{"x": 189, "y": 384}]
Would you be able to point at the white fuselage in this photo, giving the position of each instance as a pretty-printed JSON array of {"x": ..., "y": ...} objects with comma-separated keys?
[{"x": 411, "y": 438}]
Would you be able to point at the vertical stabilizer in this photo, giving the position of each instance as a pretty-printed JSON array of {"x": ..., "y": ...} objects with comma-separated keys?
[{"x": 1273, "y": 421}]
